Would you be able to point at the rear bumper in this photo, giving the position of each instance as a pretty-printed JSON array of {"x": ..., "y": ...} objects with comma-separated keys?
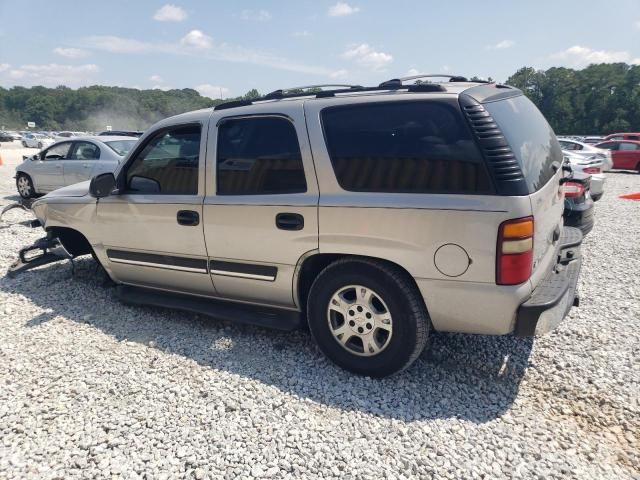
[
  {"x": 552, "y": 299},
  {"x": 580, "y": 215}
]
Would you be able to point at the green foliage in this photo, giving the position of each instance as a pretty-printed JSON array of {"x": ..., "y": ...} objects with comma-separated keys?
[
  {"x": 93, "y": 108},
  {"x": 599, "y": 99}
]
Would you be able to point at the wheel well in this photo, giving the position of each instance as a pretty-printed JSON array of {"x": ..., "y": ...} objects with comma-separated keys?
[
  {"x": 75, "y": 242},
  {"x": 314, "y": 264}
]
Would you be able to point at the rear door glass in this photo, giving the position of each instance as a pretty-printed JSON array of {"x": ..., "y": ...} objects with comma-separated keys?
[{"x": 530, "y": 137}]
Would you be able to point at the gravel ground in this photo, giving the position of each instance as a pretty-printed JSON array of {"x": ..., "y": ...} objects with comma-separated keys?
[{"x": 92, "y": 388}]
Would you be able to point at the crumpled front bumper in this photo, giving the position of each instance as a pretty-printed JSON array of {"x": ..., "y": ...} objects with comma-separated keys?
[
  {"x": 43, "y": 251},
  {"x": 552, "y": 299}
]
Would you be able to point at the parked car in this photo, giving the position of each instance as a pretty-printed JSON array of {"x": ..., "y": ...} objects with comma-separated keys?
[
  {"x": 578, "y": 204},
  {"x": 15, "y": 135},
  {"x": 592, "y": 140},
  {"x": 124, "y": 133},
  {"x": 586, "y": 150},
  {"x": 623, "y": 136},
  {"x": 624, "y": 153},
  {"x": 68, "y": 162},
  {"x": 592, "y": 166},
  {"x": 6, "y": 137},
  {"x": 36, "y": 140},
  {"x": 373, "y": 214}
]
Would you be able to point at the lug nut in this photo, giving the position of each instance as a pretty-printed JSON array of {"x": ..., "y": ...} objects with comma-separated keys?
[
  {"x": 359, "y": 309},
  {"x": 360, "y": 330},
  {"x": 368, "y": 315},
  {"x": 369, "y": 326},
  {"x": 351, "y": 312},
  {"x": 352, "y": 323}
]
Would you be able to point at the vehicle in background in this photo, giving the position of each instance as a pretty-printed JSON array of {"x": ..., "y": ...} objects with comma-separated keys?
[
  {"x": 70, "y": 161},
  {"x": 424, "y": 206},
  {"x": 68, "y": 134},
  {"x": 6, "y": 137},
  {"x": 578, "y": 148},
  {"x": 593, "y": 166},
  {"x": 36, "y": 140},
  {"x": 124, "y": 133},
  {"x": 592, "y": 140},
  {"x": 623, "y": 136},
  {"x": 578, "y": 204},
  {"x": 625, "y": 154}
]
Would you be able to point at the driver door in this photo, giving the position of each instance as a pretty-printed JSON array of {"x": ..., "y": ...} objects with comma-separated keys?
[
  {"x": 152, "y": 230},
  {"x": 48, "y": 169}
]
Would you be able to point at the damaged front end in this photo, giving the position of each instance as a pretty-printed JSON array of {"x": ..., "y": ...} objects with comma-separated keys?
[{"x": 43, "y": 251}]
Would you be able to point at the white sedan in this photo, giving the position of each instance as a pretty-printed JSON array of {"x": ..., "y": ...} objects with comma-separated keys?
[
  {"x": 585, "y": 150},
  {"x": 36, "y": 140},
  {"x": 594, "y": 166},
  {"x": 70, "y": 161}
]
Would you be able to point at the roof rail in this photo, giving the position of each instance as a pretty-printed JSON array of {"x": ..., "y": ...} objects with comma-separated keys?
[
  {"x": 452, "y": 78},
  {"x": 296, "y": 90},
  {"x": 394, "y": 84}
]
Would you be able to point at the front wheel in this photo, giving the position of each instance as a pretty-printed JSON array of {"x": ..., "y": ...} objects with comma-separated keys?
[
  {"x": 40, "y": 145},
  {"x": 368, "y": 317},
  {"x": 24, "y": 144},
  {"x": 25, "y": 186}
]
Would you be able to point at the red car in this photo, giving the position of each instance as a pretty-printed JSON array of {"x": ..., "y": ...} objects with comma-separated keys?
[
  {"x": 623, "y": 136},
  {"x": 625, "y": 154}
]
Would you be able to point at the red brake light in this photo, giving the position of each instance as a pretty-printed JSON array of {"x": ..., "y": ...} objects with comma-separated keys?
[
  {"x": 591, "y": 170},
  {"x": 514, "y": 251},
  {"x": 573, "y": 190}
]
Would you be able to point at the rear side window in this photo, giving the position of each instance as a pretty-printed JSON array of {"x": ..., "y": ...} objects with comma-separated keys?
[
  {"x": 404, "y": 147},
  {"x": 628, "y": 146},
  {"x": 259, "y": 156},
  {"x": 530, "y": 137}
]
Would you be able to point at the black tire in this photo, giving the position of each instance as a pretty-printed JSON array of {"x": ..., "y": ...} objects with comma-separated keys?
[
  {"x": 24, "y": 144},
  {"x": 40, "y": 145},
  {"x": 410, "y": 320},
  {"x": 26, "y": 189}
]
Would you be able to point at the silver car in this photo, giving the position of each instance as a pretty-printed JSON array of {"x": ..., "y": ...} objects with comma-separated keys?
[
  {"x": 374, "y": 215},
  {"x": 70, "y": 161}
]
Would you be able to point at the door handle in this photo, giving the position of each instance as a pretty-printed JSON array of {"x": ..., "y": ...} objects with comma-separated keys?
[
  {"x": 289, "y": 221},
  {"x": 188, "y": 218}
]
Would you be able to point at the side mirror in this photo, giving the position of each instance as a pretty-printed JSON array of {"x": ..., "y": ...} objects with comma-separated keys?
[{"x": 102, "y": 185}]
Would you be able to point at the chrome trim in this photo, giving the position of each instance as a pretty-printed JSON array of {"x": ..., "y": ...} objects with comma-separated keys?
[
  {"x": 158, "y": 265},
  {"x": 252, "y": 276}
]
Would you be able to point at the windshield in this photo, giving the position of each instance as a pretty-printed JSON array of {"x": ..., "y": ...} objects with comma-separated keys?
[{"x": 121, "y": 147}]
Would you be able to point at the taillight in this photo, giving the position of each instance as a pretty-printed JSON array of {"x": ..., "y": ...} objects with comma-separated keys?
[
  {"x": 515, "y": 251},
  {"x": 573, "y": 189},
  {"x": 591, "y": 170}
]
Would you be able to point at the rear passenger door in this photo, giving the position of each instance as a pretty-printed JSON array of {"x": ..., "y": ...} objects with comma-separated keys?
[
  {"x": 81, "y": 161},
  {"x": 627, "y": 156},
  {"x": 261, "y": 208}
]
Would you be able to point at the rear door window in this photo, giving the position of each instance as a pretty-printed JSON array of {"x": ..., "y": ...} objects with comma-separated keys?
[
  {"x": 259, "y": 156},
  {"x": 84, "y": 151},
  {"x": 404, "y": 147},
  {"x": 626, "y": 146},
  {"x": 530, "y": 137}
]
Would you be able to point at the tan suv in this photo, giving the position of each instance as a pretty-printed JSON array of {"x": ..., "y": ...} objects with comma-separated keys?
[{"x": 373, "y": 214}]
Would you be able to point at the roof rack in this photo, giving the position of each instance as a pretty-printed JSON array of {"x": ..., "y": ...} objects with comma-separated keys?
[
  {"x": 296, "y": 90},
  {"x": 452, "y": 78},
  {"x": 393, "y": 84}
]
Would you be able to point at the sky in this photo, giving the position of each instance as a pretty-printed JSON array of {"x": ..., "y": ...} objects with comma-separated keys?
[{"x": 226, "y": 48}]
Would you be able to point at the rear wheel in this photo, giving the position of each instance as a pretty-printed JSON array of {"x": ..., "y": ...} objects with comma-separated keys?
[
  {"x": 367, "y": 317},
  {"x": 24, "y": 144},
  {"x": 25, "y": 186},
  {"x": 39, "y": 144}
]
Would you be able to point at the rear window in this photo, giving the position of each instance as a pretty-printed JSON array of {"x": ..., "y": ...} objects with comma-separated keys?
[
  {"x": 530, "y": 137},
  {"x": 404, "y": 147}
]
